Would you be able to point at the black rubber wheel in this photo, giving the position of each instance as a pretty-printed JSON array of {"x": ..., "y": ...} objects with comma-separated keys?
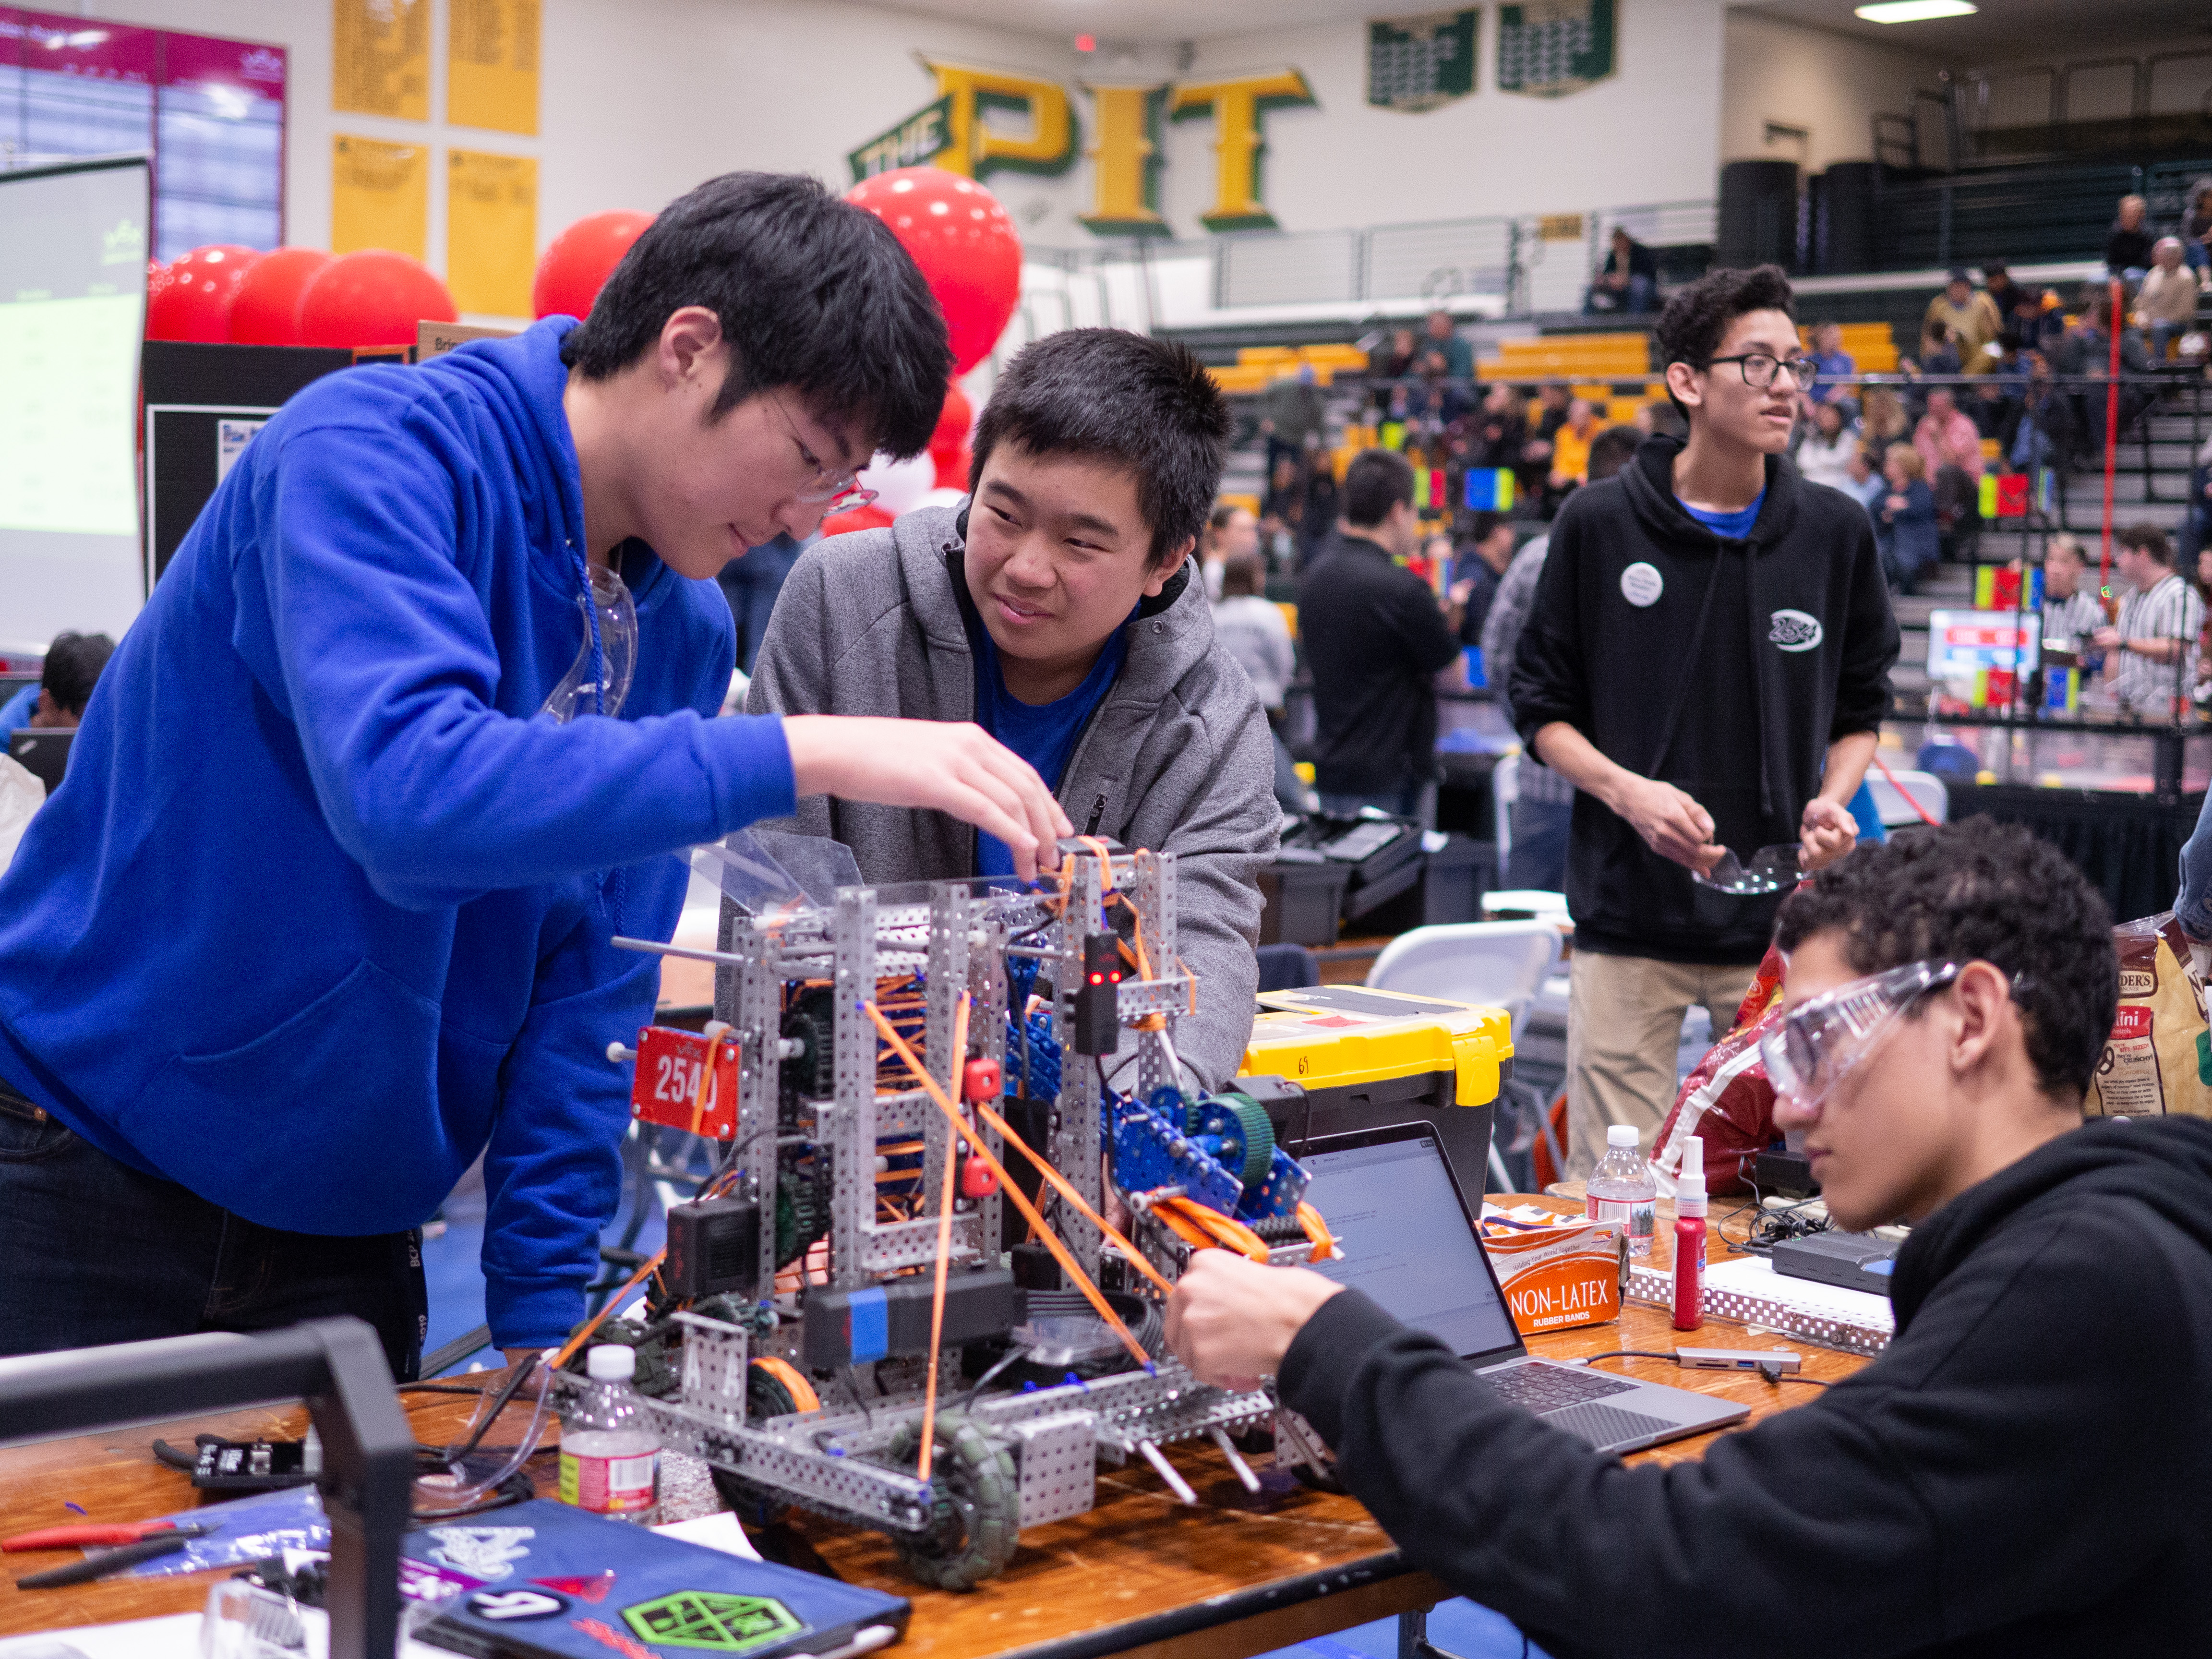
[
  {"x": 978, "y": 1496},
  {"x": 755, "y": 1508}
]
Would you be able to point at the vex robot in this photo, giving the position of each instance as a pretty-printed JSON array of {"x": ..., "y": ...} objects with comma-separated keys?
[{"x": 856, "y": 1336}]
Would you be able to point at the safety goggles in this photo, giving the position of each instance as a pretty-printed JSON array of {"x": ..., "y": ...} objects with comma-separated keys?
[
  {"x": 843, "y": 491},
  {"x": 1772, "y": 870},
  {"x": 1813, "y": 1048}
]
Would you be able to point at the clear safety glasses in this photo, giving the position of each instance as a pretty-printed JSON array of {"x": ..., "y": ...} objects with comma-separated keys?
[{"x": 1812, "y": 1048}]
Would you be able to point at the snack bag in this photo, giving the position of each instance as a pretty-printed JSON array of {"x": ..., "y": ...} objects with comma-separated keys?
[
  {"x": 1727, "y": 1098},
  {"x": 2159, "y": 1057}
]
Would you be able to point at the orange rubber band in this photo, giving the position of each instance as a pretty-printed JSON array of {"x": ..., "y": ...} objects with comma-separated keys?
[{"x": 1324, "y": 1242}]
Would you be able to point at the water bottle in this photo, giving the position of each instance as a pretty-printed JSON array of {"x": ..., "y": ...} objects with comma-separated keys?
[
  {"x": 610, "y": 1462},
  {"x": 1621, "y": 1189}
]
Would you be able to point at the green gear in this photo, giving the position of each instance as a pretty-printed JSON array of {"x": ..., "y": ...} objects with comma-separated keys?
[
  {"x": 1257, "y": 1132},
  {"x": 802, "y": 1202},
  {"x": 978, "y": 1505}
]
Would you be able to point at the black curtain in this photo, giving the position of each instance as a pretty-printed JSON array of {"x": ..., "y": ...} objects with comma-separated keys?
[{"x": 2128, "y": 845}]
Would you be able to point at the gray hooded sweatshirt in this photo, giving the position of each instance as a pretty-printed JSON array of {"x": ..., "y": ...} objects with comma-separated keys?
[{"x": 1176, "y": 756}]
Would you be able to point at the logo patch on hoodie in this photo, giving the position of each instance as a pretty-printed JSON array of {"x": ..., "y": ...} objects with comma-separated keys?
[{"x": 1793, "y": 630}]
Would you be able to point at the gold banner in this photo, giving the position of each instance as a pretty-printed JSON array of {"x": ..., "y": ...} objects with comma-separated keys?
[
  {"x": 379, "y": 195},
  {"x": 491, "y": 231},
  {"x": 380, "y": 57},
  {"x": 491, "y": 64}
]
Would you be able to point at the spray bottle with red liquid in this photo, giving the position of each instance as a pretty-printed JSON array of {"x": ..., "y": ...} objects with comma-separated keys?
[{"x": 1690, "y": 1237}]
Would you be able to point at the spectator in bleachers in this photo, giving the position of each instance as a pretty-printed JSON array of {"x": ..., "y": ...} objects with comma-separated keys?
[
  {"x": 2159, "y": 622},
  {"x": 1454, "y": 358},
  {"x": 1939, "y": 355},
  {"x": 1836, "y": 364},
  {"x": 1319, "y": 517},
  {"x": 1393, "y": 360},
  {"x": 2195, "y": 533},
  {"x": 1283, "y": 509},
  {"x": 1865, "y": 484},
  {"x": 2127, "y": 247},
  {"x": 2076, "y": 414},
  {"x": 1252, "y": 629},
  {"x": 1479, "y": 567},
  {"x": 1499, "y": 430},
  {"x": 1882, "y": 421},
  {"x": 73, "y": 666},
  {"x": 1904, "y": 529},
  {"x": 1535, "y": 468},
  {"x": 1826, "y": 447},
  {"x": 1540, "y": 813},
  {"x": 2167, "y": 296},
  {"x": 1231, "y": 532},
  {"x": 1570, "y": 447},
  {"x": 2071, "y": 608},
  {"x": 2196, "y": 228},
  {"x": 1969, "y": 320},
  {"x": 1291, "y": 415},
  {"x": 1379, "y": 647},
  {"x": 1947, "y": 439},
  {"x": 1628, "y": 281}
]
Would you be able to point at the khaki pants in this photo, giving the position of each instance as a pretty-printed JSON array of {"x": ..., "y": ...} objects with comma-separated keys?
[{"x": 1624, "y": 1030}]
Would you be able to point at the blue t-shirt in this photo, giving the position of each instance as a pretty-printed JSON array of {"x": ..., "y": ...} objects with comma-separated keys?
[
  {"x": 1735, "y": 525},
  {"x": 1043, "y": 734}
]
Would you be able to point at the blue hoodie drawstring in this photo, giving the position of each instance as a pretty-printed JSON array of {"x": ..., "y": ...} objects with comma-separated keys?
[{"x": 599, "y": 700}]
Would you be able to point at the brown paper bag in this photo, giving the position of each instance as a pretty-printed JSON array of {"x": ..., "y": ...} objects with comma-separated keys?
[{"x": 2159, "y": 1057}]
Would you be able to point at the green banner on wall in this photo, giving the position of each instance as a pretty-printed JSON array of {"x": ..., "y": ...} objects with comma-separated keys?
[
  {"x": 1549, "y": 48},
  {"x": 1415, "y": 64}
]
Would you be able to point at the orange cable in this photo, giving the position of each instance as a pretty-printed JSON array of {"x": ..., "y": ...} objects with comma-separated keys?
[
  {"x": 944, "y": 1253},
  {"x": 567, "y": 1352},
  {"x": 1045, "y": 1235}
]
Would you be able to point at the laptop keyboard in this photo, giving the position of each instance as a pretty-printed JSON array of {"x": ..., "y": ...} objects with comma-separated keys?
[{"x": 1541, "y": 1389}]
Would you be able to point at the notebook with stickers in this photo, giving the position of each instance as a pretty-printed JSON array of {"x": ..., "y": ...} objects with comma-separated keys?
[{"x": 544, "y": 1579}]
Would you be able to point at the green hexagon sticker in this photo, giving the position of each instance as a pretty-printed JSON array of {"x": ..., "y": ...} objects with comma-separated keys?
[{"x": 713, "y": 1622}]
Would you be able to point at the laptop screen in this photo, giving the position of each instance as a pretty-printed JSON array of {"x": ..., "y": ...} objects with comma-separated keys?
[{"x": 1407, "y": 1241}]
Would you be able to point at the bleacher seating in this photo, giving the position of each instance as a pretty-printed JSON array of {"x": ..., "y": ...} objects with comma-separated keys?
[
  {"x": 1596, "y": 356},
  {"x": 1871, "y": 346},
  {"x": 1258, "y": 368}
]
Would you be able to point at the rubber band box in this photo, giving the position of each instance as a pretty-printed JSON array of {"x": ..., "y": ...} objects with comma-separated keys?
[{"x": 1557, "y": 1271}]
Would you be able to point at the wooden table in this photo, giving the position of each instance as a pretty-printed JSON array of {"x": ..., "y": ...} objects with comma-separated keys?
[{"x": 1238, "y": 1576}]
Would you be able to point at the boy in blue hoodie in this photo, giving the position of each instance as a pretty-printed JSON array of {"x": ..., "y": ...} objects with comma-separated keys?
[{"x": 325, "y": 909}]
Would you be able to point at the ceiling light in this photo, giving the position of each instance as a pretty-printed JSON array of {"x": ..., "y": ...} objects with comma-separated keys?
[{"x": 1914, "y": 11}]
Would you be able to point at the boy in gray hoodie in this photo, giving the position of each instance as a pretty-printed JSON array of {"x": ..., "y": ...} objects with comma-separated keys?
[{"x": 1058, "y": 609}]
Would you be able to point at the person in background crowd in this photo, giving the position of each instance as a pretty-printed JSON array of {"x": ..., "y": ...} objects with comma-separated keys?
[
  {"x": 1826, "y": 447},
  {"x": 56, "y": 704},
  {"x": 1499, "y": 429},
  {"x": 1393, "y": 360},
  {"x": 1969, "y": 319},
  {"x": 2127, "y": 246},
  {"x": 1231, "y": 532},
  {"x": 1453, "y": 357},
  {"x": 1690, "y": 735},
  {"x": 1904, "y": 521},
  {"x": 1480, "y": 568},
  {"x": 2048, "y": 1356},
  {"x": 2196, "y": 228},
  {"x": 1837, "y": 365},
  {"x": 1950, "y": 449},
  {"x": 1282, "y": 510},
  {"x": 1534, "y": 467},
  {"x": 1882, "y": 422},
  {"x": 2159, "y": 619},
  {"x": 2077, "y": 413},
  {"x": 2071, "y": 609},
  {"x": 1317, "y": 522},
  {"x": 2194, "y": 533},
  {"x": 1628, "y": 281},
  {"x": 1382, "y": 653},
  {"x": 750, "y": 583},
  {"x": 1544, "y": 801},
  {"x": 1252, "y": 629},
  {"x": 1939, "y": 355},
  {"x": 2167, "y": 296},
  {"x": 1570, "y": 447},
  {"x": 1865, "y": 484},
  {"x": 1291, "y": 415}
]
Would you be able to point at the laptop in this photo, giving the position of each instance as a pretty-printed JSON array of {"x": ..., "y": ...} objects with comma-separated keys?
[
  {"x": 43, "y": 753},
  {"x": 1411, "y": 1244}
]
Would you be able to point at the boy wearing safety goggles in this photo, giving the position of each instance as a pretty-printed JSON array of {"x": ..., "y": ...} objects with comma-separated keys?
[{"x": 2022, "y": 1472}]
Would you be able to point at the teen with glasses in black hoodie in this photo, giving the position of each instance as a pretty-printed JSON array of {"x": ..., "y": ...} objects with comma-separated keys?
[{"x": 2020, "y": 1473}]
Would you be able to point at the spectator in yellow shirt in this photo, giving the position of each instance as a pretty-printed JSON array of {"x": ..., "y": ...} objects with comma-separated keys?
[
  {"x": 1971, "y": 318},
  {"x": 1570, "y": 447}
]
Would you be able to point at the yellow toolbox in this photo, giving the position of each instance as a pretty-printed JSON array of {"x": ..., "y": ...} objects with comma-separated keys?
[{"x": 1330, "y": 1058}]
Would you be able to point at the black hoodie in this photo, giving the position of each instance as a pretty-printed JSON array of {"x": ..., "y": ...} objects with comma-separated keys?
[
  {"x": 1725, "y": 667},
  {"x": 2026, "y": 1470}
]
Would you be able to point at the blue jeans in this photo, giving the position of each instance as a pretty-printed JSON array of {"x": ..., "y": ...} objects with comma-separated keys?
[{"x": 98, "y": 1253}]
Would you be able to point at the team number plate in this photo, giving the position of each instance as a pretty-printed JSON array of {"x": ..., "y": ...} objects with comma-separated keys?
[{"x": 685, "y": 1082}]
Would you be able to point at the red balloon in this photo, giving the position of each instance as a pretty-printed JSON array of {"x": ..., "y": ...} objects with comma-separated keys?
[
  {"x": 265, "y": 310},
  {"x": 965, "y": 243},
  {"x": 373, "y": 297},
  {"x": 577, "y": 263},
  {"x": 194, "y": 303},
  {"x": 952, "y": 435},
  {"x": 953, "y": 466}
]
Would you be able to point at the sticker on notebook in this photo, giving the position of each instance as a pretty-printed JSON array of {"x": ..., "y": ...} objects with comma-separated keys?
[{"x": 712, "y": 1621}]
